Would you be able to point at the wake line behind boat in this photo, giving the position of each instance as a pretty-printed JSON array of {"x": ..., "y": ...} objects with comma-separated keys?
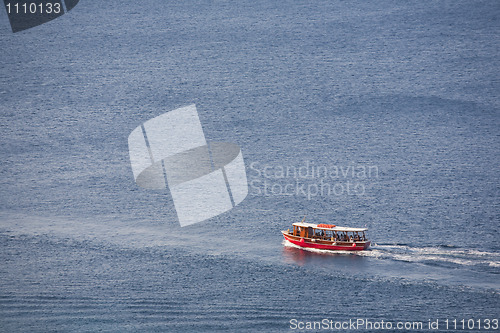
[{"x": 327, "y": 237}]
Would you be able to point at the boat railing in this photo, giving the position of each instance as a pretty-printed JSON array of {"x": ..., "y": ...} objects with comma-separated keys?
[{"x": 316, "y": 238}]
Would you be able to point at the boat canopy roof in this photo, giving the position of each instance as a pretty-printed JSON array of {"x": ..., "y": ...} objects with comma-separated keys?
[{"x": 334, "y": 228}]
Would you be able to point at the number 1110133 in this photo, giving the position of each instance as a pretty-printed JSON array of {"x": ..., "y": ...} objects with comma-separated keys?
[{"x": 33, "y": 8}]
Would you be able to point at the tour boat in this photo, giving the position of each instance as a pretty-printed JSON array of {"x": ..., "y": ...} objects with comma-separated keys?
[{"x": 327, "y": 237}]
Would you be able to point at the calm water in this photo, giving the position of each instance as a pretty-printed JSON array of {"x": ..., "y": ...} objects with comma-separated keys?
[{"x": 407, "y": 91}]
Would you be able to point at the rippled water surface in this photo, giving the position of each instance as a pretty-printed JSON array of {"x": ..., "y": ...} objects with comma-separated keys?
[{"x": 406, "y": 90}]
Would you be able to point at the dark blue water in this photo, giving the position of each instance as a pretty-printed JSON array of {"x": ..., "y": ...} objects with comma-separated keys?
[{"x": 409, "y": 90}]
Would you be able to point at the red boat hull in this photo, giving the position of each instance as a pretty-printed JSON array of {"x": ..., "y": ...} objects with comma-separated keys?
[{"x": 321, "y": 246}]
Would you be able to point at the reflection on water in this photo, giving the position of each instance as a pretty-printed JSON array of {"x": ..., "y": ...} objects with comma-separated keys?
[{"x": 344, "y": 260}]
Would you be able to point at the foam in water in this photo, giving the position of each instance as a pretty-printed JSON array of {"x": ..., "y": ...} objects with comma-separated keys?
[{"x": 467, "y": 257}]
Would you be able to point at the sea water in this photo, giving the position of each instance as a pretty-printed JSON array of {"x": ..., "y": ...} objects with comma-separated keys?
[{"x": 316, "y": 94}]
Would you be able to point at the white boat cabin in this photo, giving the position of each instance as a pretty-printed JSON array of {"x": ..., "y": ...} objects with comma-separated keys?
[{"x": 328, "y": 232}]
